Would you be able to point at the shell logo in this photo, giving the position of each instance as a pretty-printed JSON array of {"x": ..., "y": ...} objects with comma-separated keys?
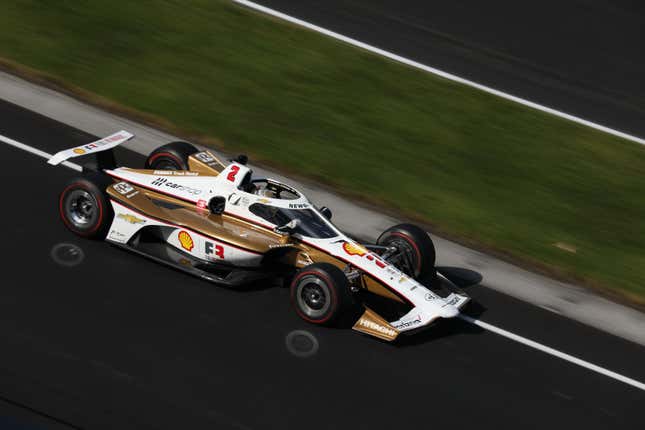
[
  {"x": 185, "y": 240},
  {"x": 79, "y": 151},
  {"x": 354, "y": 249}
]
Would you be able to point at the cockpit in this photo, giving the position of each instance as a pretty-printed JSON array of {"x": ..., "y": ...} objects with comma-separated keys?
[
  {"x": 279, "y": 204},
  {"x": 309, "y": 222}
]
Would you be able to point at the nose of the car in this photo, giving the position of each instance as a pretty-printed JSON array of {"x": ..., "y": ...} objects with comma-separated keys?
[{"x": 449, "y": 311}]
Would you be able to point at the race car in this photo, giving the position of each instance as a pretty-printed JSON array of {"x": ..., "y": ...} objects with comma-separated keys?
[{"x": 188, "y": 209}]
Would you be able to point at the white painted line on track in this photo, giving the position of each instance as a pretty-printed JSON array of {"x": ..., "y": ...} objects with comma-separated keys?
[
  {"x": 434, "y": 71},
  {"x": 553, "y": 352},
  {"x": 482, "y": 324},
  {"x": 37, "y": 152}
]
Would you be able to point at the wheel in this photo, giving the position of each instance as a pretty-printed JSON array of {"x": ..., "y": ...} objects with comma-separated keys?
[
  {"x": 414, "y": 252},
  {"x": 85, "y": 207},
  {"x": 172, "y": 156},
  {"x": 320, "y": 294}
]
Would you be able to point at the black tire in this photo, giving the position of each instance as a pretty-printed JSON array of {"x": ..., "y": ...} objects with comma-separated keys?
[
  {"x": 416, "y": 250},
  {"x": 320, "y": 294},
  {"x": 85, "y": 208},
  {"x": 171, "y": 156}
]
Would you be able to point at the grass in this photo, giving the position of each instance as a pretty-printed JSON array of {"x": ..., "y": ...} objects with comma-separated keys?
[{"x": 476, "y": 167}]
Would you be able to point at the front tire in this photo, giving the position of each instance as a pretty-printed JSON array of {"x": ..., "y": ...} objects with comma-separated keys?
[
  {"x": 85, "y": 208},
  {"x": 320, "y": 294},
  {"x": 171, "y": 156},
  {"x": 415, "y": 253}
]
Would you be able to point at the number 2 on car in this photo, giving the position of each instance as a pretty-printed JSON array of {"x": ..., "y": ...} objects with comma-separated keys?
[{"x": 232, "y": 173}]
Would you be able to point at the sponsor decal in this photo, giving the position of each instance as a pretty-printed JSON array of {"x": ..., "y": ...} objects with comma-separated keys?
[
  {"x": 263, "y": 201},
  {"x": 407, "y": 324},
  {"x": 372, "y": 325},
  {"x": 298, "y": 205},
  {"x": 186, "y": 240},
  {"x": 232, "y": 173},
  {"x": 174, "y": 173},
  {"x": 123, "y": 188},
  {"x": 430, "y": 297},
  {"x": 215, "y": 249},
  {"x": 402, "y": 279},
  {"x": 202, "y": 204},
  {"x": 391, "y": 270},
  {"x": 280, "y": 245},
  {"x": 354, "y": 249},
  {"x": 116, "y": 233},
  {"x": 452, "y": 301},
  {"x": 163, "y": 182},
  {"x": 129, "y": 196},
  {"x": 380, "y": 263},
  {"x": 204, "y": 157},
  {"x": 304, "y": 259},
  {"x": 131, "y": 219},
  {"x": 238, "y": 200},
  {"x": 111, "y": 139},
  {"x": 116, "y": 236},
  {"x": 92, "y": 146}
]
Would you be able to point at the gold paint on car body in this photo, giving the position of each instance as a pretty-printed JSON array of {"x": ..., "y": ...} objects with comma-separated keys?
[{"x": 231, "y": 229}]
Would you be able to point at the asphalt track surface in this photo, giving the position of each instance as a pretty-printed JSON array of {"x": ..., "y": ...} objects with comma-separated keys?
[
  {"x": 582, "y": 57},
  {"x": 118, "y": 341}
]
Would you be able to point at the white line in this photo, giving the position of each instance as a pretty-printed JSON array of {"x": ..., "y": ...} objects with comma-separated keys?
[
  {"x": 437, "y": 72},
  {"x": 37, "y": 152},
  {"x": 498, "y": 93},
  {"x": 471, "y": 320},
  {"x": 554, "y": 352}
]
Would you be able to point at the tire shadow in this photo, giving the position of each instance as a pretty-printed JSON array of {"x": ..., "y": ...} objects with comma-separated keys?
[{"x": 463, "y": 278}]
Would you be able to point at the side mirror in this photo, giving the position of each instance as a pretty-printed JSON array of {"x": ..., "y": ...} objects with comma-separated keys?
[
  {"x": 325, "y": 211},
  {"x": 288, "y": 228},
  {"x": 217, "y": 205}
]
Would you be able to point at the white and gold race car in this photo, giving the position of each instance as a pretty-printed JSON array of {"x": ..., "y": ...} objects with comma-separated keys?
[{"x": 192, "y": 211}]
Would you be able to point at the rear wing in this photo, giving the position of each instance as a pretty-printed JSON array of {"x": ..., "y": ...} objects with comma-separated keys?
[{"x": 104, "y": 160}]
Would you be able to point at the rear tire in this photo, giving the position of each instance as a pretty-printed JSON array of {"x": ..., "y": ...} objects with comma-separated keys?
[
  {"x": 85, "y": 208},
  {"x": 417, "y": 252},
  {"x": 320, "y": 294},
  {"x": 171, "y": 156}
]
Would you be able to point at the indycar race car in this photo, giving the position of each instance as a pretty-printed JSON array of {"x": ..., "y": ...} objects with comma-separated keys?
[{"x": 192, "y": 211}]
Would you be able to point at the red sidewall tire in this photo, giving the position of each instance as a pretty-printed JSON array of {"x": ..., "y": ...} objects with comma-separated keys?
[
  {"x": 408, "y": 239},
  {"x": 341, "y": 302},
  {"x": 96, "y": 189},
  {"x": 419, "y": 243},
  {"x": 155, "y": 158},
  {"x": 173, "y": 153},
  {"x": 332, "y": 292}
]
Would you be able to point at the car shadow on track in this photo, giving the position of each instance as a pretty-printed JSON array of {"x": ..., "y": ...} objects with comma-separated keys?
[{"x": 463, "y": 278}]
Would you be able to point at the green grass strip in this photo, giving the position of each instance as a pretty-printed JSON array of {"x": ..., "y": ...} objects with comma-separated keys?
[{"x": 475, "y": 166}]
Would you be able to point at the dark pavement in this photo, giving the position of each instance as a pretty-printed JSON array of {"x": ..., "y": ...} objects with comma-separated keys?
[{"x": 118, "y": 341}]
